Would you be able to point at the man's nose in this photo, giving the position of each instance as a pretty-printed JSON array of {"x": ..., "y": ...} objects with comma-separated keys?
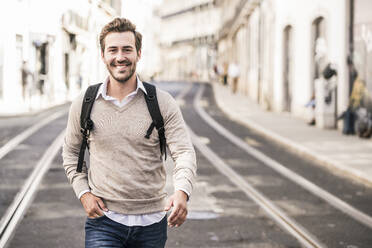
[{"x": 121, "y": 56}]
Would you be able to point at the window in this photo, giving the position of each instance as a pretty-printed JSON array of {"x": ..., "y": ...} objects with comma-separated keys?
[{"x": 318, "y": 33}]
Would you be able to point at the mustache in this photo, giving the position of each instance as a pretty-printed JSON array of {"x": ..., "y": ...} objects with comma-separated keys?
[{"x": 123, "y": 62}]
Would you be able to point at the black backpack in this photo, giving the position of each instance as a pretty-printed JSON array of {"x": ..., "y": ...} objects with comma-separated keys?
[{"x": 87, "y": 124}]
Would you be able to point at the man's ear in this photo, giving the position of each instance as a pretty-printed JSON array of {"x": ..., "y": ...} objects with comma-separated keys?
[{"x": 138, "y": 55}]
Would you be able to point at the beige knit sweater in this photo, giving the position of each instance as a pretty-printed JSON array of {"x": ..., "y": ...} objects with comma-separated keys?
[{"x": 126, "y": 169}]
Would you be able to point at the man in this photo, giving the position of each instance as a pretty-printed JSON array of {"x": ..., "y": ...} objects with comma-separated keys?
[
  {"x": 25, "y": 73},
  {"x": 234, "y": 73},
  {"x": 123, "y": 190}
]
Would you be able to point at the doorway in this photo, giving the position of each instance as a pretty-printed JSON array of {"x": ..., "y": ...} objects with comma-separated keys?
[{"x": 318, "y": 31}]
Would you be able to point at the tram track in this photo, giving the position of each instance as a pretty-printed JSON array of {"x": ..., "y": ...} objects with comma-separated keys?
[
  {"x": 315, "y": 190},
  {"x": 301, "y": 181},
  {"x": 275, "y": 213},
  {"x": 14, "y": 142},
  {"x": 26, "y": 172},
  {"x": 23, "y": 199}
]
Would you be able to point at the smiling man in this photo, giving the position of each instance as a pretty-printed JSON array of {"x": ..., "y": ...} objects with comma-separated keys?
[{"x": 122, "y": 192}]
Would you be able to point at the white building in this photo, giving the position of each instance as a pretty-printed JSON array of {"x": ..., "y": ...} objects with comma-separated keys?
[
  {"x": 187, "y": 38},
  {"x": 280, "y": 46},
  {"x": 141, "y": 13},
  {"x": 59, "y": 42},
  {"x": 362, "y": 41},
  {"x": 274, "y": 42}
]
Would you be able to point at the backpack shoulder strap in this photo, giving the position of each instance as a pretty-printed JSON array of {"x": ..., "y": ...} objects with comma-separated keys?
[
  {"x": 86, "y": 123},
  {"x": 157, "y": 118},
  {"x": 88, "y": 101}
]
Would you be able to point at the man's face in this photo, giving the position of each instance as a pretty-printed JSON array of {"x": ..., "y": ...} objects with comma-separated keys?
[{"x": 120, "y": 55}]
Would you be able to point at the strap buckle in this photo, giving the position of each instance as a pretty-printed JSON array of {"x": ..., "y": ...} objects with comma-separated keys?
[
  {"x": 85, "y": 132},
  {"x": 88, "y": 124}
]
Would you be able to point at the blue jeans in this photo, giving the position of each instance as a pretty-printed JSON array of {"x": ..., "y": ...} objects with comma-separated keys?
[{"x": 104, "y": 232}]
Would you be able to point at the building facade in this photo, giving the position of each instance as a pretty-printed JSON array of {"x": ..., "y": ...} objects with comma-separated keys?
[
  {"x": 55, "y": 44},
  {"x": 362, "y": 41},
  {"x": 276, "y": 43},
  {"x": 147, "y": 21},
  {"x": 281, "y": 48},
  {"x": 188, "y": 38}
]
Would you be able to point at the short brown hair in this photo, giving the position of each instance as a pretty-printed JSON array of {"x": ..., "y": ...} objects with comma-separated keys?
[{"x": 120, "y": 25}]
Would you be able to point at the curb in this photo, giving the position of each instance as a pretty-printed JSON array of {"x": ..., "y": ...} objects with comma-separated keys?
[
  {"x": 295, "y": 147},
  {"x": 33, "y": 112}
]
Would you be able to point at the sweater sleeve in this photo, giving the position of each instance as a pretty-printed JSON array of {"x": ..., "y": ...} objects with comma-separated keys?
[
  {"x": 71, "y": 149},
  {"x": 180, "y": 147}
]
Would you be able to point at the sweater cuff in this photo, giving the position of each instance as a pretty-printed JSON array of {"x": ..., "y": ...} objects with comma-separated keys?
[
  {"x": 183, "y": 185},
  {"x": 80, "y": 186}
]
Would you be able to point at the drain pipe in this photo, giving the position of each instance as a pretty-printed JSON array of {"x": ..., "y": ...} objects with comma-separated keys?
[{"x": 351, "y": 46}]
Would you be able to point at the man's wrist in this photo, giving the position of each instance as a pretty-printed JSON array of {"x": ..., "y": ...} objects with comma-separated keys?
[
  {"x": 82, "y": 193},
  {"x": 184, "y": 193}
]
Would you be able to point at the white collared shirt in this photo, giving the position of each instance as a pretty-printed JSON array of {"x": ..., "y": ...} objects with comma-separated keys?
[{"x": 102, "y": 91}]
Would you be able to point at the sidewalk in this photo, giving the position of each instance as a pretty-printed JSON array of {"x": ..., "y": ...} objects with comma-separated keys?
[
  {"x": 347, "y": 155},
  {"x": 28, "y": 109}
]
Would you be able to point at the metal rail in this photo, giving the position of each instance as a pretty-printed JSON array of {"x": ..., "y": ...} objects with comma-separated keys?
[
  {"x": 11, "y": 144},
  {"x": 20, "y": 204},
  {"x": 301, "y": 181},
  {"x": 272, "y": 211}
]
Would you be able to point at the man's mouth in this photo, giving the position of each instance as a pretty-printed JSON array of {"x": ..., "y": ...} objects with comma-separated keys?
[
  {"x": 121, "y": 67},
  {"x": 122, "y": 64}
]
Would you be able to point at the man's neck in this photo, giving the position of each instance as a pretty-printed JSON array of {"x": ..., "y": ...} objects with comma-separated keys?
[{"x": 121, "y": 90}]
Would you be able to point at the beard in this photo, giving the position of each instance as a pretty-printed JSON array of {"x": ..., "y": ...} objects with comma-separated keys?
[{"x": 119, "y": 76}]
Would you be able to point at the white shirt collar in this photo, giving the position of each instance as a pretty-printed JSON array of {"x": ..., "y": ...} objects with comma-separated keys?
[{"x": 103, "y": 88}]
